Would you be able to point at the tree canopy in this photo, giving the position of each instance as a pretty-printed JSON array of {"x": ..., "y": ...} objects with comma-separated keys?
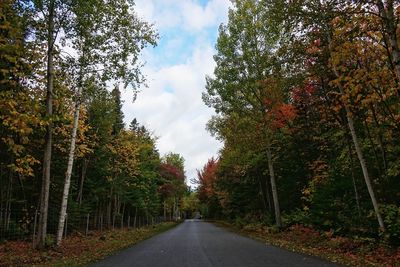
[
  {"x": 306, "y": 94},
  {"x": 62, "y": 66}
]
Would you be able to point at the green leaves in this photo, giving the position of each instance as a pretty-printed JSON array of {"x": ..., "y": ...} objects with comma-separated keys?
[{"x": 289, "y": 76}]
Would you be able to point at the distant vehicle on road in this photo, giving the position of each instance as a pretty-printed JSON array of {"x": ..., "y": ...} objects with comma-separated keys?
[{"x": 197, "y": 215}]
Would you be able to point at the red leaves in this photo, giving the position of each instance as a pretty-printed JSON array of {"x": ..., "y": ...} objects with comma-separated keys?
[
  {"x": 278, "y": 111},
  {"x": 282, "y": 115},
  {"x": 206, "y": 178},
  {"x": 174, "y": 179},
  {"x": 170, "y": 172},
  {"x": 303, "y": 93}
]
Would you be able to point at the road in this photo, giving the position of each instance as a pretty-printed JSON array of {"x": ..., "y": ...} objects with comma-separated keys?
[{"x": 197, "y": 243}]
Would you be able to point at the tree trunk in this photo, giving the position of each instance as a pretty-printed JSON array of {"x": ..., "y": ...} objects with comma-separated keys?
[
  {"x": 123, "y": 214},
  {"x": 364, "y": 168},
  {"x": 67, "y": 183},
  {"x": 390, "y": 25},
  {"x": 353, "y": 178},
  {"x": 44, "y": 195},
  {"x": 174, "y": 210},
  {"x": 109, "y": 208},
  {"x": 360, "y": 154},
  {"x": 165, "y": 211},
  {"x": 21, "y": 184},
  {"x": 82, "y": 181},
  {"x": 263, "y": 196},
  {"x": 134, "y": 219},
  {"x": 278, "y": 218},
  {"x": 380, "y": 139},
  {"x": 374, "y": 150},
  {"x": 268, "y": 194},
  {"x": 7, "y": 215}
]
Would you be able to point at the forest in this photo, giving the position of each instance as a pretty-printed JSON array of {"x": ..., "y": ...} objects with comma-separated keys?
[
  {"x": 307, "y": 104},
  {"x": 65, "y": 152},
  {"x": 306, "y": 97}
]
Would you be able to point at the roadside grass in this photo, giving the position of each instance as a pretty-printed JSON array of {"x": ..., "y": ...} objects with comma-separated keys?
[
  {"x": 355, "y": 251},
  {"x": 77, "y": 249}
]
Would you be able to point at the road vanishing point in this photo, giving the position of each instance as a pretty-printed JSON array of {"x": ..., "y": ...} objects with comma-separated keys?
[{"x": 197, "y": 243}]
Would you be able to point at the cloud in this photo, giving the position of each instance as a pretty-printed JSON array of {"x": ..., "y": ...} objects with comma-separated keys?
[
  {"x": 179, "y": 116},
  {"x": 190, "y": 15},
  {"x": 171, "y": 106},
  {"x": 196, "y": 17}
]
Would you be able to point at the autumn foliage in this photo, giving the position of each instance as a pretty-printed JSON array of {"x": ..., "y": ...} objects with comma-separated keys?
[
  {"x": 307, "y": 101},
  {"x": 206, "y": 179},
  {"x": 62, "y": 130},
  {"x": 174, "y": 179}
]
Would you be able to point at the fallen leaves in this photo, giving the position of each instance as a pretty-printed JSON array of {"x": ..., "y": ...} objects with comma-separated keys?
[
  {"x": 76, "y": 250},
  {"x": 343, "y": 250}
]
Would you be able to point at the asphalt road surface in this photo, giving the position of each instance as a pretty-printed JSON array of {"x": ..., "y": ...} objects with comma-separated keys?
[{"x": 197, "y": 243}]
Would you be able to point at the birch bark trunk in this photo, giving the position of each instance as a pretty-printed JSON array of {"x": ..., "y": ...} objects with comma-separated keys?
[
  {"x": 67, "y": 183},
  {"x": 364, "y": 168},
  {"x": 360, "y": 155}
]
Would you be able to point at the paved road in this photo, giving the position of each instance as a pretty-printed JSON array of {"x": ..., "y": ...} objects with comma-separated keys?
[{"x": 197, "y": 243}]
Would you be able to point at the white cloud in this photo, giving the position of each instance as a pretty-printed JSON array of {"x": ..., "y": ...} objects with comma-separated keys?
[
  {"x": 188, "y": 14},
  {"x": 178, "y": 117},
  {"x": 197, "y": 17},
  {"x": 172, "y": 104}
]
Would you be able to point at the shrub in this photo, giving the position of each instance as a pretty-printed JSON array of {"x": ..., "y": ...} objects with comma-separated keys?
[
  {"x": 297, "y": 216},
  {"x": 391, "y": 216}
]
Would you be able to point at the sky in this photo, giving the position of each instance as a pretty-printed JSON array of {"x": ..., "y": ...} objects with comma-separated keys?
[{"x": 171, "y": 106}]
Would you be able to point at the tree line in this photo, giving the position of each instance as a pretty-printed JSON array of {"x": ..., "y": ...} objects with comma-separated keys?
[
  {"x": 307, "y": 101},
  {"x": 64, "y": 146}
]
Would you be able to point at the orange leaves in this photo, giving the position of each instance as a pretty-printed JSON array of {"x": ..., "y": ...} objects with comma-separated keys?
[
  {"x": 284, "y": 113},
  {"x": 363, "y": 68},
  {"x": 23, "y": 166},
  {"x": 277, "y": 113},
  {"x": 280, "y": 115},
  {"x": 18, "y": 114}
]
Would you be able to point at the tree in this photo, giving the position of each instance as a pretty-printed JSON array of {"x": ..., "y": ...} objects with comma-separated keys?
[
  {"x": 87, "y": 43},
  {"x": 245, "y": 58},
  {"x": 172, "y": 186},
  {"x": 176, "y": 160},
  {"x": 327, "y": 36},
  {"x": 119, "y": 116},
  {"x": 325, "y": 92},
  {"x": 206, "y": 180},
  {"x": 54, "y": 13},
  {"x": 20, "y": 108}
]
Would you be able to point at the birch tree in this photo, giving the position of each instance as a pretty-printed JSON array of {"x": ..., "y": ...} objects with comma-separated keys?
[
  {"x": 111, "y": 54},
  {"x": 320, "y": 30},
  {"x": 53, "y": 14}
]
